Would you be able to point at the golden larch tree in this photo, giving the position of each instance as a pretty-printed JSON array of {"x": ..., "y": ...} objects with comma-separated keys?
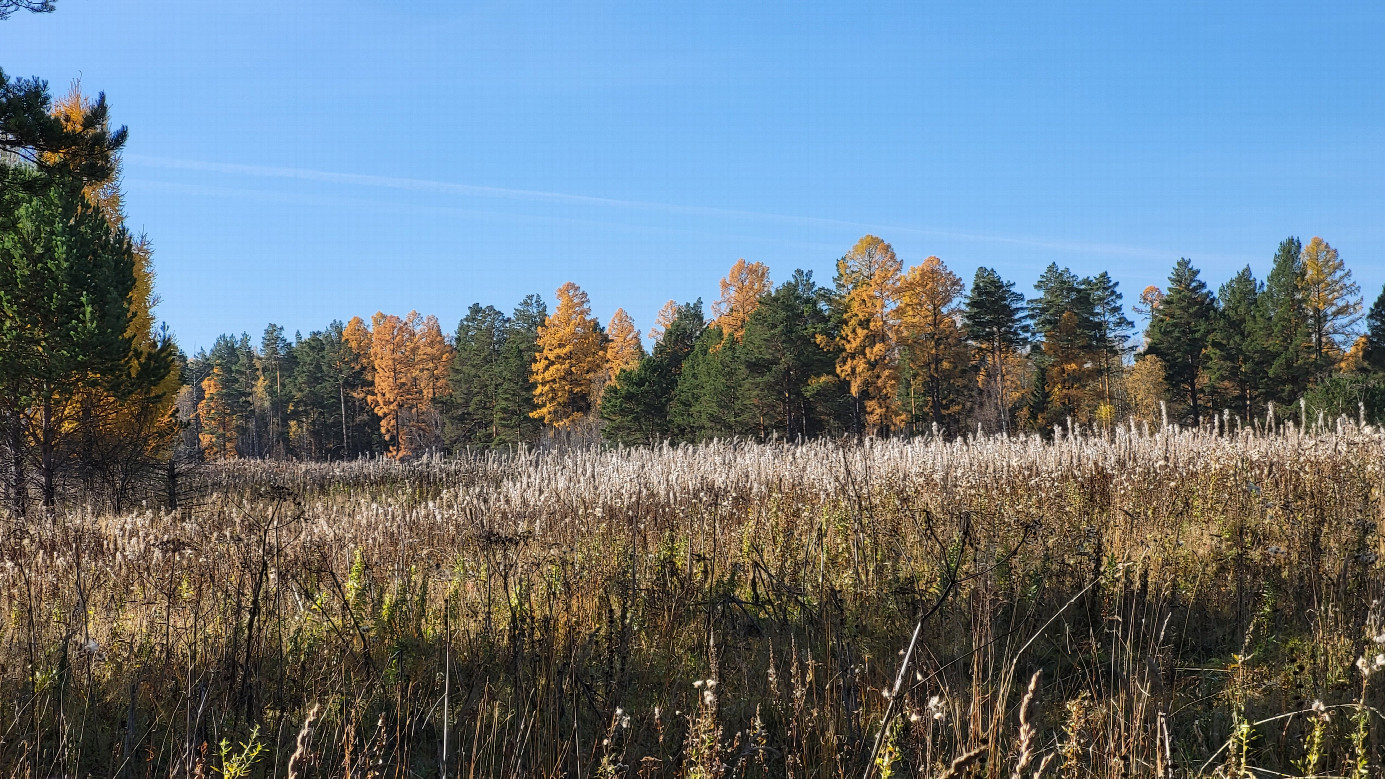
[
  {"x": 662, "y": 320},
  {"x": 741, "y": 291},
  {"x": 410, "y": 360},
  {"x": 1332, "y": 298},
  {"x": 933, "y": 340},
  {"x": 357, "y": 337},
  {"x": 868, "y": 354},
  {"x": 623, "y": 350},
  {"x": 571, "y": 359}
]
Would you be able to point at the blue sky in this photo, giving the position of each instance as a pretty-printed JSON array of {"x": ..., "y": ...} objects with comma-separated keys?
[{"x": 305, "y": 161}]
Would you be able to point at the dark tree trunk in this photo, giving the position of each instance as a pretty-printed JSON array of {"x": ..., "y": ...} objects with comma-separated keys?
[{"x": 19, "y": 493}]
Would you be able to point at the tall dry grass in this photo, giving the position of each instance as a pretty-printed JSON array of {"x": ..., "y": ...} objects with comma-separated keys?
[{"x": 1168, "y": 604}]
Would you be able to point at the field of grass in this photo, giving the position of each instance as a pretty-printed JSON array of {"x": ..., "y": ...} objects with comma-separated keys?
[{"x": 1170, "y": 604}]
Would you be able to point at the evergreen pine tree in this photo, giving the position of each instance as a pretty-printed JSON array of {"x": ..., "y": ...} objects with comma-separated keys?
[
  {"x": 994, "y": 318},
  {"x": 636, "y": 408},
  {"x": 790, "y": 377},
  {"x": 1283, "y": 339},
  {"x": 1234, "y": 366},
  {"x": 1180, "y": 334},
  {"x": 1374, "y": 357},
  {"x": 477, "y": 375}
]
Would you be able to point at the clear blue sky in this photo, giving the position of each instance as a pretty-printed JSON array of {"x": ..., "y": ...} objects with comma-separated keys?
[{"x": 298, "y": 162}]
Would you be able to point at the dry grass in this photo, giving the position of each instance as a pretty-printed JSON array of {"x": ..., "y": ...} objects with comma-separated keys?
[{"x": 548, "y": 614}]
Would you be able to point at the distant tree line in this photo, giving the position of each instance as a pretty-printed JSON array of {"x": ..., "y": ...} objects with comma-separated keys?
[{"x": 885, "y": 350}]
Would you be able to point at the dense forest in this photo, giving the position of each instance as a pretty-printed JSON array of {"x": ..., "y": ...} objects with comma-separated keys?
[{"x": 96, "y": 398}]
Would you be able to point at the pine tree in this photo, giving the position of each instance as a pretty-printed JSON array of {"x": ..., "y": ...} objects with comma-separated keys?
[
  {"x": 1180, "y": 335},
  {"x": 791, "y": 378},
  {"x": 31, "y": 133},
  {"x": 514, "y": 409},
  {"x": 741, "y": 291},
  {"x": 1061, "y": 292},
  {"x": 710, "y": 399},
  {"x": 1374, "y": 352},
  {"x": 1234, "y": 364},
  {"x": 636, "y": 408},
  {"x": 933, "y": 342},
  {"x": 995, "y": 324},
  {"x": 328, "y": 415},
  {"x": 570, "y": 361},
  {"x": 867, "y": 285},
  {"x": 1111, "y": 331},
  {"x": 1333, "y": 301},
  {"x": 477, "y": 376},
  {"x": 1284, "y": 333},
  {"x": 66, "y": 277},
  {"x": 275, "y": 368}
]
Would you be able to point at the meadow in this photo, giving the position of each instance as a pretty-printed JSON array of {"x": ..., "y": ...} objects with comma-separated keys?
[{"x": 1172, "y": 603}]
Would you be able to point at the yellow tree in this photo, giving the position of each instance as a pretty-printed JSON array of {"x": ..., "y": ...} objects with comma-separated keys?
[
  {"x": 410, "y": 359},
  {"x": 432, "y": 364},
  {"x": 570, "y": 361},
  {"x": 623, "y": 352},
  {"x": 217, "y": 420},
  {"x": 932, "y": 339},
  {"x": 357, "y": 336},
  {"x": 662, "y": 320},
  {"x": 1332, "y": 298},
  {"x": 741, "y": 291},
  {"x": 868, "y": 355}
]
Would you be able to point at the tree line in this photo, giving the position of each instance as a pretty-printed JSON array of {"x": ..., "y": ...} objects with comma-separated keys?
[{"x": 884, "y": 350}]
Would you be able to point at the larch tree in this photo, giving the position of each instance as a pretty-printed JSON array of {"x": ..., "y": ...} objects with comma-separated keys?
[
  {"x": 932, "y": 340},
  {"x": 570, "y": 360},
  {"x": 741, "y": 291},
  {"x": 867, "y": 283},
  {"x": 662, "y": 320},
  {"x": 1333, "y": 301},
  {"x": 623, "y": 350},
  {"x": 411, "y": 360}
]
